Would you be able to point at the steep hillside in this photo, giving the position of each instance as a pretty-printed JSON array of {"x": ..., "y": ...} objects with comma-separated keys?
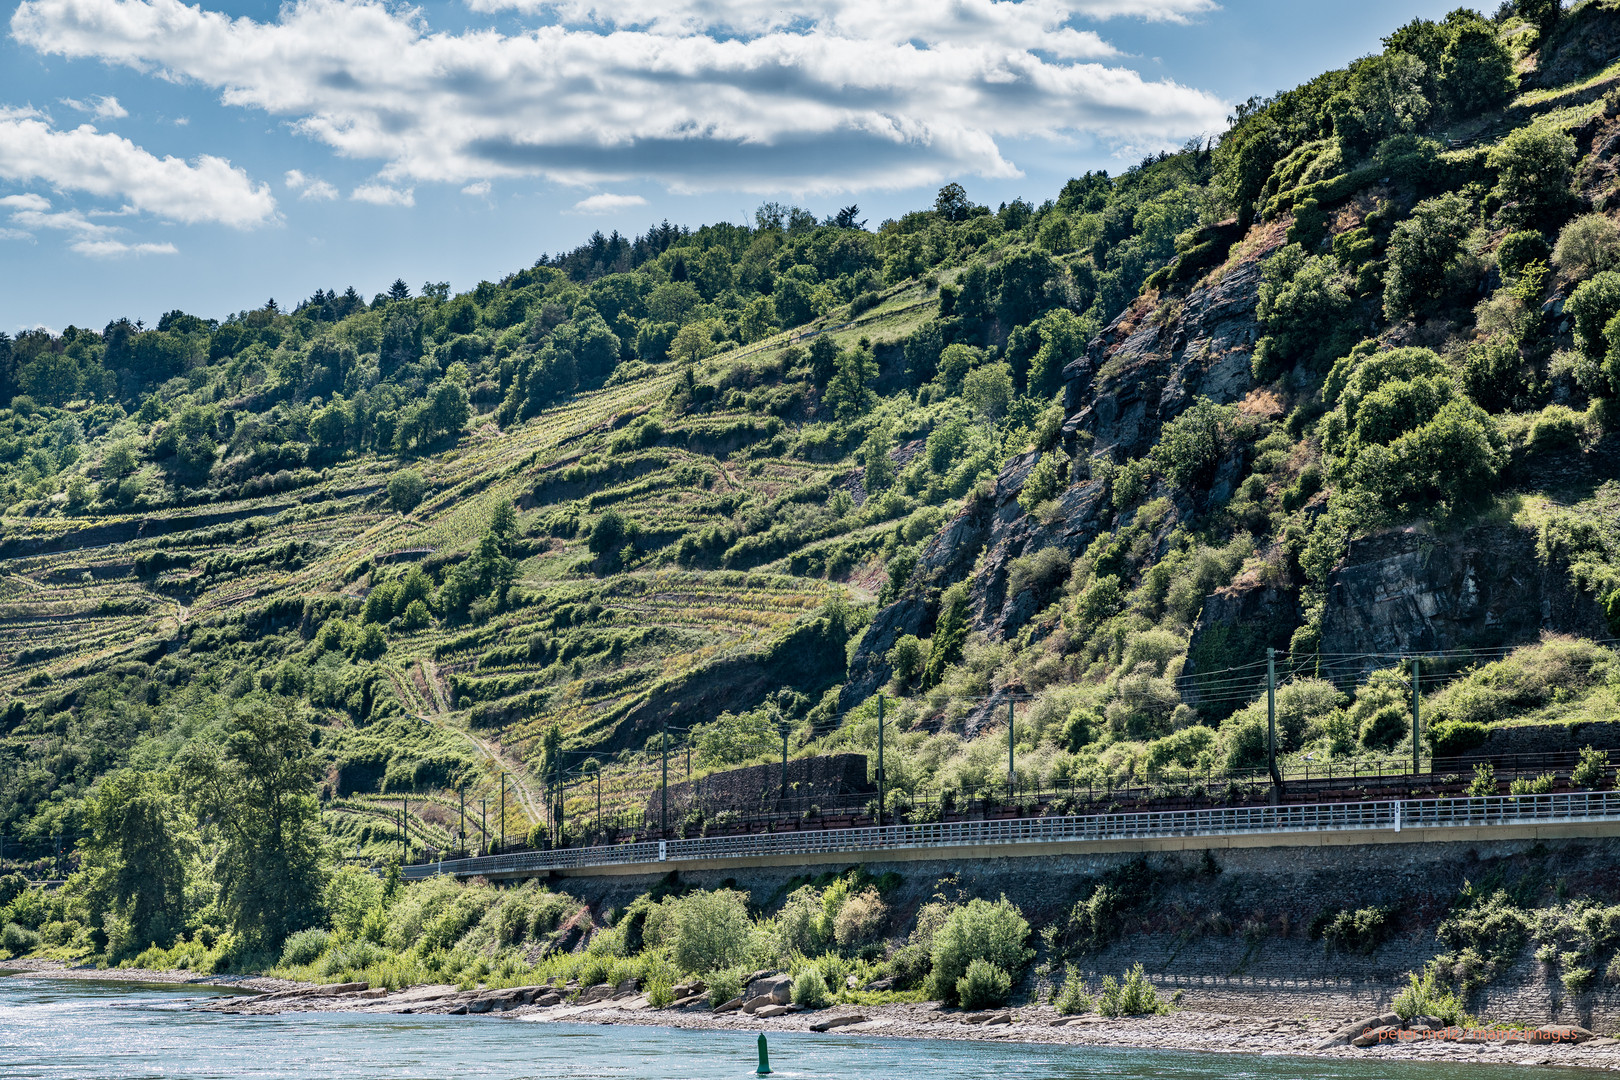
[{"x": 1340, "y": 384}]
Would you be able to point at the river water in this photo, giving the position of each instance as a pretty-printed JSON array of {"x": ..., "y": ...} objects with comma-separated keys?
[{"x": 68, "y": 1030}]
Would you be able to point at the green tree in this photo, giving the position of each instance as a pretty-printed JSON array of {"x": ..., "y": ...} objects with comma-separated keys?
[
  {"x": 1422, "y": 249},
  {"x": 1476, "y": 69},
  {"x": 692, "y": 342},
  {"x": 1192, "y": 445},
  {"x": 405, "y": 490},
  {"x": 848, "y": 394},
  {"x": 878, "y": 471},
  {"x": 988, "y": 391},
  {"x": 256, "y": 781},
  {"x": 823, "y": 360},
  {"x": 1593, "y": 303},
  {"x": 1534, "y": 167},
  {"x": 138, "y": 857}
]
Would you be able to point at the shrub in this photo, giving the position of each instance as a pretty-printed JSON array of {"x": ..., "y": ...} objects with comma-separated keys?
[
  {"x": 1541, "y": 785},
  {"x": 304, "y": 947},
  {"x": 405, "y": 490},
  {"x": 810, "y": 990},
  {"x": 1592, "y": 770},
  {"x": 907, "y": 657},
  {"x": 1578, "y": 980},
  {"x": 1484, "y": 781},
  {"x": 1422, "y": 250},
  {"x": 709, "y": 930},
  {"x": 1534, "y": 166},
  {"x": 1360, "y": 931},
  {"x": 979, "y": 930},
  {"x": 1072, "y": 999},
  {"x": 1586, "y": 245},
  {"x": 1193, "y": 443},
  {"x": 18, "y": 939},
  {"x": 1593, "y": 303},
  {"x": 1044, "y": 481},
  {"x": 983, "y": 984},
  {"x": 1137, "y": 997},
  {"x": 1520, "y": 249},
  {"x": 725, "y": 985},
  {"x": 1557, "y": 427},
  {"x": 1449, "y": 738},
  {"x": 909, "y": 966},
  {"x": 1425, "y": 996},
  {"x": 860, "y": 918}
]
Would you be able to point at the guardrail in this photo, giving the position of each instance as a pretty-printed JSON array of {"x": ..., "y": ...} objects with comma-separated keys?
[{"x": 1395, "y": 815}]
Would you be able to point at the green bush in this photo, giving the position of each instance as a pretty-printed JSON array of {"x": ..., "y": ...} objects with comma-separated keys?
[
  {"x": 709, "y": 930},
  {"x": 1520, "y": 249},
  {"x": 1592, "y": 770},
  {"x": 810, "y": 990},
  {"x": 909, "y": 966},
  {"x": 1072, "y": 999},
  {"x": 1534, "y": 167},
  {"x": 405, "y": 490},
  {"x": 1541, "y": 785},
  {"x": 1425, "y": 996},
  {"x": 18, "y": 940},
  {"x": 1593, "y": 303},
  {"x": 1586, "y": 245},
  {"x": 1360, "y": 931},
  {"x": 984, "y": 984},
  {"x": 1557, "y": 427},
  {"x": 1422, "y": 252},
  {"x": 304, "y": 947},
  {"x": 1484, "y": 782},
  {"x": 1137, "y": 997},
  {"x": 1448, "y": 738},
  {"x": 725, "y": 985},
  {"x": 979, "y": 930}
]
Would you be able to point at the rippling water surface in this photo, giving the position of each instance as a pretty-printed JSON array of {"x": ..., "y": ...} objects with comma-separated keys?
[{"x": 87, "y": 1031}]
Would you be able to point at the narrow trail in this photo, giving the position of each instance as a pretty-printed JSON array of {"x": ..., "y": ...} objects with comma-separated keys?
[{"x": 517, "y": 774}]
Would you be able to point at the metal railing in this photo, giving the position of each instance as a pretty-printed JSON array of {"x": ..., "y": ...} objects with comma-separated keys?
[{"x": 1388, "y": 815}]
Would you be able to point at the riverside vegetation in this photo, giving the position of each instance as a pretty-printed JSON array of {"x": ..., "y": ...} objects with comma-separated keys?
[{"x": 268, "y": 576}]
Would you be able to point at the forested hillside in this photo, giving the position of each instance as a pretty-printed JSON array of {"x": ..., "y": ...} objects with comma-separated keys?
[{"x": 1340, "y": 382}]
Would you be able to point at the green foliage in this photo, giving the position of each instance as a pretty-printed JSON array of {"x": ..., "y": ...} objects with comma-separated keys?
[
  {"x": 1072, "y": 999},
  {"x": 304, "y": 947},
  {"x": 1540, "y": 785},
  {"x": 993, "y": 932},
  {"x": 1448, "y": 738},
  {"x": 405, "y": 490},
  {"x": 1591, "y": 306},
  {"x": 1587, "y": 245},
  {"x": 1424, "y": 255},
  {"x": 1360, "y": 931},
  {"x": 1484, "y": 782},
  {"x": 1592, "y": 770},
  {"x": 1425, "y": 996},
  {"x": 1137, "y": 996},
  {"x": 1193, "y": 443},
  {"x": 810, "y": 990},
  {"x": 18, "y": 940},
  {"x": 1304, "y": 304},
  {"x": 1044, "y": 481},
  {"x": 708, "y": 930},
  {"x": 138, "y": 857},
  {"x": 982, "y": 985},
  {"x": 1534, "y": 167}
]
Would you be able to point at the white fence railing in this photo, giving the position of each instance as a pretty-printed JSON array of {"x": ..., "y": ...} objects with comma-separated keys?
[{"x": 1395, "y": 815}]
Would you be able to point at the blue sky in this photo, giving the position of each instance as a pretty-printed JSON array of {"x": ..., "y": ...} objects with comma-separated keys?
[{"x": 157, "y": 156}]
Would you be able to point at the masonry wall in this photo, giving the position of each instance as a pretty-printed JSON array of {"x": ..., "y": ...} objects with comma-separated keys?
[{"x": 1230, "y": 928}]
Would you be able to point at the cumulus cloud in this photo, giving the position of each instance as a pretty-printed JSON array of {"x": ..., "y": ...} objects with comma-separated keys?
[
  {"x": 383, "y": 195},
  {"x": 102, "y": 108},
  {"x": 310, "y": 187},
  {"x": 817, "y": 95},
  {"x": 207, "y": 189},
  {"x": 608, "y": 203},
  {"x": 479, "y": 189}
]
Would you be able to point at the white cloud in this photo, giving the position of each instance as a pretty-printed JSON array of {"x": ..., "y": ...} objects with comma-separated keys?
[
  {"x": 383, "y": 195},
  {"x": 102, "y": 108},
  {"x": 310, "y": 187},
  {"x": 817, "y": 95},
  {"x": 608, "y": 203},
  {"x": 208, "y": 189},
  {"x": 480, "y": 189},
  {"x": 112, "y": 249},
  {"x": 34, "y": 213}
]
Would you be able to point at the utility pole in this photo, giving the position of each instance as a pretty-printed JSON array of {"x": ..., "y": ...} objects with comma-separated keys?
[
  {"x": 599, "y": 799},
  {"x": 880, "y": 762},
  {"x": 1012, "y": 774},
  {"x": 463, "y": 794},
  {"x": 1416, "y": 699},
  {"x": 404, "y": 840},
  {"x": 556, "y": 771},
  {"x": 783, "y": 797},
  {"x": 663, "y": 791},
  {"x": 503, "y": 811},
  {"x": 1271, "y": 725},
  {"x": 483, "y": 839}
]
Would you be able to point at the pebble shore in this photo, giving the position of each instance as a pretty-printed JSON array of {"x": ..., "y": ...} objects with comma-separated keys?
[{"x": 1180, "y": 1030}]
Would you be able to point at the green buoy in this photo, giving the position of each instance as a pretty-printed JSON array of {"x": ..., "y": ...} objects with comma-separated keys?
[{"x": 764, "y": 1057}]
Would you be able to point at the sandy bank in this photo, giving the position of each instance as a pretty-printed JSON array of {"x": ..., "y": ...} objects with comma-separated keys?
[{"x": 58, "y": 970}]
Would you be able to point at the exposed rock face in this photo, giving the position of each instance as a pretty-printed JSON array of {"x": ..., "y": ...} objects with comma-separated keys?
[
  {"x": 1236, "y": 626},
  {"x": 947, "y": 559},
  {"x": 1136, "y": 374},
  {"x": 1409, "y": 592}
]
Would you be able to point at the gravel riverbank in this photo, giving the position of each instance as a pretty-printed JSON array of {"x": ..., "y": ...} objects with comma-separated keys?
[{"x": 1183, "y": 1030}]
